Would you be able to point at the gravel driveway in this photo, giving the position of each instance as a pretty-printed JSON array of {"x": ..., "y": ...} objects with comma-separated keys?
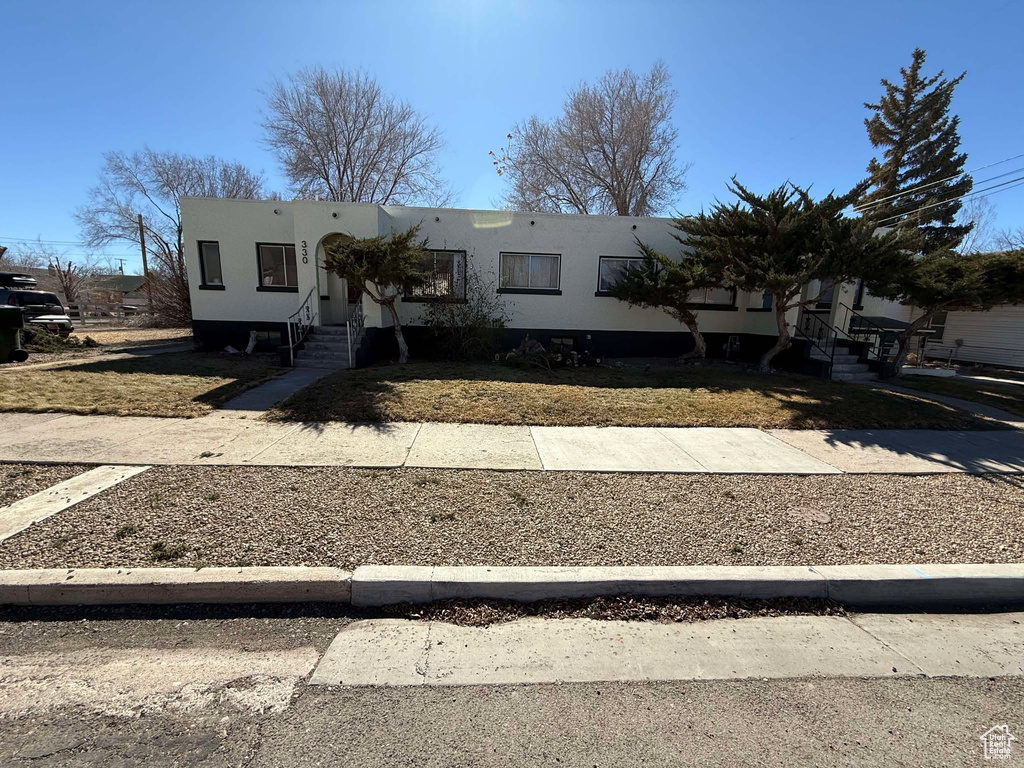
[{"x": 232, "y": 516}]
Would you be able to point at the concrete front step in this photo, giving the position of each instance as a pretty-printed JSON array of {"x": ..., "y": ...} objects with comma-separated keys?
[
  {"x": 854, "y": 376},
  {"x": 318, "y": 355},
  {"x": 323, "y": 346},
  {"x": 317, "y": 363},
  {"x": 331, "y": 330}
]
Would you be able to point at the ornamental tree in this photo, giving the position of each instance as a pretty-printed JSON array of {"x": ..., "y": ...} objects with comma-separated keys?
[
  {"x": 661, "y": 282},
  {"x": 381, "y": 267},
  {"x": 784, "y": 240},
  {"x": 946, "y": 281}
]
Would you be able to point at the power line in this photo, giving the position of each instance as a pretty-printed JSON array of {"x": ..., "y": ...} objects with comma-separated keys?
[
  {"x": 873, "y": 203},
  {"x": 1001, "y": 187},
  {"x": 39, "y": 240}
]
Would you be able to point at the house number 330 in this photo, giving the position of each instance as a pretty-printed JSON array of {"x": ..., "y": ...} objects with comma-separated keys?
[{"x": 305, "y": 253}]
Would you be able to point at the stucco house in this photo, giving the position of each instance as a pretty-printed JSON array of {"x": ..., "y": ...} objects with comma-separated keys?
[{"x": 253, "y": 265}]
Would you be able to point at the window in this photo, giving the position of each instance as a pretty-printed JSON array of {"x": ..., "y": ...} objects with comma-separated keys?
[
  {"x": 938, "y": 325},
  {"x": 530, "y": 272},
  {"x": 766, "y": 300},
  {"x": 858, "y": 294},
  {"x": 723, "y": 297},
  {"x": 277, "y": 267},
  {"x": 446, "y": 277},
  {"x": 828, "y": 292},
  {"x": 614, "y": 268},
  {"x": 209, "y": 265}
]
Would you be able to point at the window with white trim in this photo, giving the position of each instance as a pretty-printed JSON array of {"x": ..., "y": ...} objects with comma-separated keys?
[
  {"x": 529, "y": 271},
  {"x": 613, "y": 268},
  {"x": 277, "y": 265}
]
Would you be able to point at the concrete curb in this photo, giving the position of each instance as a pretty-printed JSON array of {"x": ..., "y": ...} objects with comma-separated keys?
[
  {"x": 160, "y": 586},
  {"x": 859, "y": 586}
]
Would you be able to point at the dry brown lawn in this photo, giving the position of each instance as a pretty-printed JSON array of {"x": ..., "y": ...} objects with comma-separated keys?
[
  {"x": 183, "y": 385},
  {"x": 1009, "y": 397},
  {"x": 665, "y": 396},
  {"x": 126, "y": 337}
]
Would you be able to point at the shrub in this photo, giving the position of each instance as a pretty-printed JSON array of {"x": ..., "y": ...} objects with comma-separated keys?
[{"x": 470, "y": 329}]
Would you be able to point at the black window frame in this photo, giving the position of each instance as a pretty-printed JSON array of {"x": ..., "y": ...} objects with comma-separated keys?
[
  {"x": 259, "y": 269},
  {"x": 205, "y": 285},
  {"x": 537, "y": 291},
  {"x": 408, "y": 297},
  {"x": 600, "y": 259}
]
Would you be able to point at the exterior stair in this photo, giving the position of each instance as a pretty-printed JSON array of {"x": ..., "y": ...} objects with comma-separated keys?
[
  {"x": 845, "y": 366},
  {"x": 326, "y": 347}
]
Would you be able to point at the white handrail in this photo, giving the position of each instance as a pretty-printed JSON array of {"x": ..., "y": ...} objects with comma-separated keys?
[
  {"x": 354, "y": 327},
  {"x": 302, "y": 319}
]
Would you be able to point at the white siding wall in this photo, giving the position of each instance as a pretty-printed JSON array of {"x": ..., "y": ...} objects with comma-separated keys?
[{"x": 995, "y": 337}]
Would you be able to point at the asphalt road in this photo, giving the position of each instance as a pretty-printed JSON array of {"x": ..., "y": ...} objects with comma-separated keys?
[{"x": 113, "y": 690}]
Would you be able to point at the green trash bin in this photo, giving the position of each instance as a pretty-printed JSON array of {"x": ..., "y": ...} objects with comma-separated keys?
[{"x": 12, "y": 320}]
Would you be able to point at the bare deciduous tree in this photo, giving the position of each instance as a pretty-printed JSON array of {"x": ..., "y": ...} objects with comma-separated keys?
[
  {"x": 20, "y": 257},
  {"x": 612, "y": 151},
  {"x": 71, "y": 276},
  {"x": 152, "y": 183},
  {"x": 340, "y": 137},
  {"x": 1011, "y": 240},
  {"x": 981, "y": 216}
]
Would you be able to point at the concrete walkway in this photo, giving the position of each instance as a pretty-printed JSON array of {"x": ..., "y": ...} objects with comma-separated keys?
[
  {"x": 256, "y": 401},
  {"x": 403, "y": 652},
  {"x": 978, "y": 409},
  {"x": 61, "y": 438}
]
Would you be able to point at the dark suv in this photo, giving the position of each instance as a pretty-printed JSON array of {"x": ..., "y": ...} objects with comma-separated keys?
[{"x": 42, "y": 308}]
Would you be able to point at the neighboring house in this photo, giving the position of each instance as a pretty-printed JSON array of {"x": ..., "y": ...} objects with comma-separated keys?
[
  {"x": 108, "y": 291},
  {"x": 995, "y": 337},
  {"x": 253, "y": 264}
]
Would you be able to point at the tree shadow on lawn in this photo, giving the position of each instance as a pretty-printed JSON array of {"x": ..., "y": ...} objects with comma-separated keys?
[
  {"x": 245, "y": 373},
  {"x": 744, "y": 398}
]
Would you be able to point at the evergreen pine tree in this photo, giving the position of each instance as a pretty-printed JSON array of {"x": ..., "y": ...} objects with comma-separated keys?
[{"x": 921, "y": 154}]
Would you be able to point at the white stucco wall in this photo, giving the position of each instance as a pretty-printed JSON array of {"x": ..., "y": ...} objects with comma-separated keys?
[{"x": 579, "y": 240}]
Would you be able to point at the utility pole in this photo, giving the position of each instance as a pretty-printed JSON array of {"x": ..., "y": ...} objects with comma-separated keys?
[{"x": 145, "y": 264}]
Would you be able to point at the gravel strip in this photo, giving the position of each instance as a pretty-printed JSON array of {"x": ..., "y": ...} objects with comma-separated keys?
[
  {"x": 239, "y": 516},
  {"x": 20, "y": 480},
  {"x": 664, "y": 610}
]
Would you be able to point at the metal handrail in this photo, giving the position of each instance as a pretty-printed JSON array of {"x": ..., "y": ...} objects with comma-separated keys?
[
  {"x": 356, "y": 322},
  {"x": 820, "y": 334},
  {"x": 846, "y": 328},
  {"x": 302, "y": 320}
]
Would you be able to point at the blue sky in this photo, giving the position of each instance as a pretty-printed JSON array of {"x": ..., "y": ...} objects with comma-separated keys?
[{"x": 768, "y": 91}]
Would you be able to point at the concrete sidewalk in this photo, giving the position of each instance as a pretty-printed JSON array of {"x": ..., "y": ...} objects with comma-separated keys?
[
  {"x": 530, "y": 651},
  {"x": 61, "y": 438}
]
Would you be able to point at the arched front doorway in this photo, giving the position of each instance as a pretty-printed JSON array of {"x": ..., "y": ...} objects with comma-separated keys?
[{"x": 336, "y": 295}]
